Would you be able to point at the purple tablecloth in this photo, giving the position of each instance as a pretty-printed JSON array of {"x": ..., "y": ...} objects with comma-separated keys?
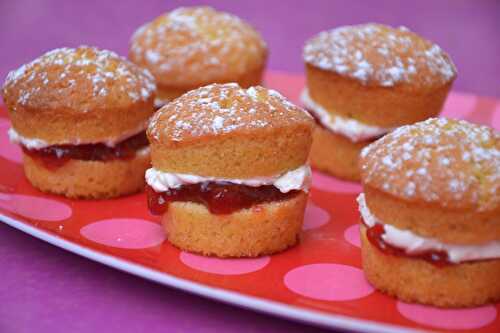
[{"x": 46, "y": 289}]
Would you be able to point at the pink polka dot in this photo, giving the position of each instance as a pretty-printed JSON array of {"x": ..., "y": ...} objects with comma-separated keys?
[
  {"x": 126, "y": 233},
  {"x": 34, "y": 207},
  {"x": 458, "y": 105},
  {"x": 223, "y": 266},
  {"x": 315, "y": 217},
  {"x": 8, "y": 150},
  {"x": 330, "y": 184},
  {"x": 351, "y": 235},
  {"x": 458, "y": 319},
  {"x": 328, "y": 282},
  {"x": 495, "y": 123}
]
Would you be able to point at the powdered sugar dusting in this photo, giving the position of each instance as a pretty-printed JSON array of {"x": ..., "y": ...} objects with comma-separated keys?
[
  {"x": 450, "y": 162},
  {"x": 196, "y": 43},
  {"x": 223, "y": 108},
  {"x": 217, "y": 123},
  {"x": 91, "y": 71},
  {"x": 374, "y": 52}
]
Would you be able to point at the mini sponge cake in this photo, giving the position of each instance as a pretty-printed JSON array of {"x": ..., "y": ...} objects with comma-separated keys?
[
  {"x": 431, "y": 213},
  {"x": 80, "y": 116},
  {"x": 230, "y": 171},
  {"x": 365, "y": 80},
  {"x": 195, "y": 46}
]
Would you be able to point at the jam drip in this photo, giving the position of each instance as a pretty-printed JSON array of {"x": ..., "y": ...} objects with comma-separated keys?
[
  {"x": 435, "y": 257},
  {"x": 56, "y": 156},
  {"x": 218, "y": 197}
]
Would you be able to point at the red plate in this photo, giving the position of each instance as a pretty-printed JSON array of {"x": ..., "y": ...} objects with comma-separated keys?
[{"x": 320, "y": 281}]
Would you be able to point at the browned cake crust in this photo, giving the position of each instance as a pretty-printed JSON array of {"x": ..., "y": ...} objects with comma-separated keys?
[
  {"x": 415, "y": 280},
  {"x": 377, "y": 74},
  {"x": 82, "y": 95},
  {"x": 194, "y": 46},
  {"x": 335, "y": 154},
  {"x": 261, "y": 230},
  {"x": 374, "y": 104},
  {"x": 379, "y": 55},
  {"x": 450, "y": 163},
  {"x": 89, "y": 179},
  {"x": 228, "y": 132}
]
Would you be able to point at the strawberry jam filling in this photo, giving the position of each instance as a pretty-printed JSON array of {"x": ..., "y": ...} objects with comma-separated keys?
[
  {"x": 56, "y": 156},
  {"x": 218, "y": 197},
  {"x": 435, "y": 257}
]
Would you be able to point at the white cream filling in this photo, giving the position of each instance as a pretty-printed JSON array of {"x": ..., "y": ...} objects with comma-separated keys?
[
  {"x": 33, "y": 143},
  {"x": 353, "y": 129},
  {"x": 298, "y": 179},
  {"x": 14, "y": 137},
  {"x": 413, "y": 243},
  {"x": 158, "y": 103},
  {"x": 143, "y": 151}
]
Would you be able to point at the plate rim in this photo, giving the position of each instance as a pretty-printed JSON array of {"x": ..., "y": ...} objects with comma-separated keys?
[{"x": 230, "y": 297}]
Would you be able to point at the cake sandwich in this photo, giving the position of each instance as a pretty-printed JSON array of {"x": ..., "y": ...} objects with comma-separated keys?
[
  {"x": 365, "y": 80},
  {"x": 430, "y": 210},
  {"x": 229, "y": 170},
  {"x": 80, "y": 117}
]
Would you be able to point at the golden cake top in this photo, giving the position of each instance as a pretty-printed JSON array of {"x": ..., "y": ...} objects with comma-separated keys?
[
  {"x": 194, "y": 46},
  {"x": 381, "y": 55},
  {"x": 78, "y": 80},
  {"x": 224, "y": 109},
  {"x": 452, "y": 163}
]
